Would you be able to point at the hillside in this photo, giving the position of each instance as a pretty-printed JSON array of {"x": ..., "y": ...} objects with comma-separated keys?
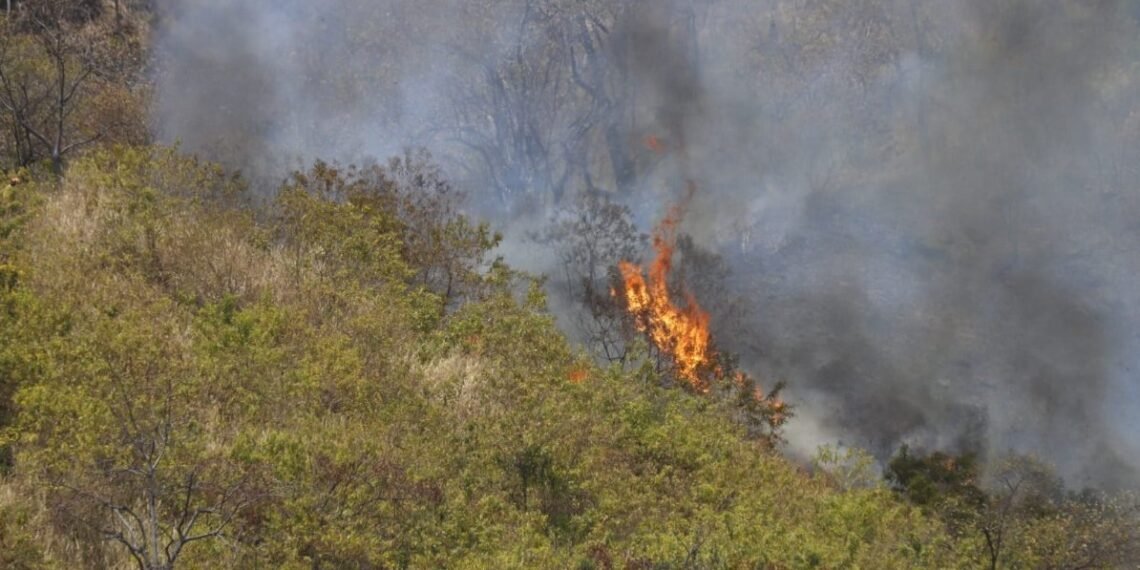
[
  {"x": 288, "y": 391},
  {"x": 237, "y": 350}
]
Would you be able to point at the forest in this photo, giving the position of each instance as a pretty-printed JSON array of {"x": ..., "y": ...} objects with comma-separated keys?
[{"x": 582, "y": 284}]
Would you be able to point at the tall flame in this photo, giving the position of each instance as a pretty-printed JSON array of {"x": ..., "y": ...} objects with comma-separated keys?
[{"x": 682, "y": 332}]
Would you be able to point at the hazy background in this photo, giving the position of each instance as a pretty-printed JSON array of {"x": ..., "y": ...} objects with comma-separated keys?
[{"x": 928, "y": 209}]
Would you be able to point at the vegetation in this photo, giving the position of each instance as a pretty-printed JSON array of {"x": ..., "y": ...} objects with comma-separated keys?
[
  {"x": 344, "y": 377},
  {"x": 69, "y": 77},
  {"x": 1022, "y": 514},
  {"x": 193, "y": 386}
]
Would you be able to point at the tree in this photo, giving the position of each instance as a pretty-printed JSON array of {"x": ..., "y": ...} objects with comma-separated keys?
[
  {"x": 1030, "y": 520},
  {"x": 564, "y": 99},
  {"x": 1020, "y": 513},
  {"x": 519, "y": 116},
  {"x": 591, "y": 236},
  {"x": 847, "y": 467},
  {"x": 1090, "y": 530},
  {"x": 120, "y": 441},
  {"x": 1021, "y": 488},
  {"x": 448, "y": 249},
  {"x": 63, "y": 77},
  {"x": 942, "y": 483}
]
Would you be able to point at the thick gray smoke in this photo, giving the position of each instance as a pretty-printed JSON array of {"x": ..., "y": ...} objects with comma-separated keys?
[{"x": 930, "y": 207}]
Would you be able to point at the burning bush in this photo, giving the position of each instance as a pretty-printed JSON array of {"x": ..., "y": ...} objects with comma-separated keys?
[{"x": 680, "y": 334}]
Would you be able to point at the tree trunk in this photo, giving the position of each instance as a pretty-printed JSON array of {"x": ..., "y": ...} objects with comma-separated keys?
[{"x": 155, "y": 561}]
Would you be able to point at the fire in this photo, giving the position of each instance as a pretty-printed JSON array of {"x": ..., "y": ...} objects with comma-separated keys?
[
  {"x": 655, "y": 144},
  {"x": 682, "y": 332},
  {"x": 578, "y": 375}
]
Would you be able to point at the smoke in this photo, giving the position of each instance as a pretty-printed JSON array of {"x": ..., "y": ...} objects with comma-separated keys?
[
  {"x": 970, "y": 289},
  {"x": 928, "y": 208},
  {"x": 265, "y": 86},
  {"x": 665, "y": 69}
]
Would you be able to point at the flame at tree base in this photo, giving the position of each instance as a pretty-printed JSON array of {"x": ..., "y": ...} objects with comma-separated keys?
[{"x": 681, "y": 332}]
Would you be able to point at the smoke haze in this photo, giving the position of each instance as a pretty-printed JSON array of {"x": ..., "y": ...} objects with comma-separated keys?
[{"x": 929, "y": 208}]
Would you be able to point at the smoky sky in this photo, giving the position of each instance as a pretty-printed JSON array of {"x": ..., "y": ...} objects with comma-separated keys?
[{"x": 928, "y": 209}]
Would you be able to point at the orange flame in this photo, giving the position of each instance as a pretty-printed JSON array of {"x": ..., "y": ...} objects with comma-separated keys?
[
  {"x": 578, "y": 375},
  {"x": 682, "y": 332},
  {"x": 655, "y": 144}
]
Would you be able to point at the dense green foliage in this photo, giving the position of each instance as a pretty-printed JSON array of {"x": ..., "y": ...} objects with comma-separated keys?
[{"x": 186, "y": 381}]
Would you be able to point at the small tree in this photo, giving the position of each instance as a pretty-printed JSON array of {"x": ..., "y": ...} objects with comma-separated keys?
[
  {"x": 1020, "y": 488},
  {"x": 55, "y": 58},
  {"x": 1029, "y": 520},
  {"x": 941, "y": 483},
  {"x": 120, "y": 436},
  {"x": 590, "y": 238},
  {"x": 1020, "y": 514}
]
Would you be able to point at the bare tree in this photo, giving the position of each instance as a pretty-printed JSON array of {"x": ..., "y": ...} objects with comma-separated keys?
[
  {"x": 154, "y": 493},
  {"x": 555, "y": 106},
  {"x": 592, "y": 236},
  {"x": 1021, "y": 487},
  {"x": 519, "y": 114},
  {"x": 50, "y": 55},
  {"x": 164, "y": 514},
  {"x": 149, "y": 476}
]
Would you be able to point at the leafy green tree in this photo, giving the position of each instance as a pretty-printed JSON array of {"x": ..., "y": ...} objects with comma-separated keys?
[{"x": 849, "y": 468}]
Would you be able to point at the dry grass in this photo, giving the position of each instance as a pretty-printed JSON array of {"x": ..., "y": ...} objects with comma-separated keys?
[{"x": 455, "y": 382}]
